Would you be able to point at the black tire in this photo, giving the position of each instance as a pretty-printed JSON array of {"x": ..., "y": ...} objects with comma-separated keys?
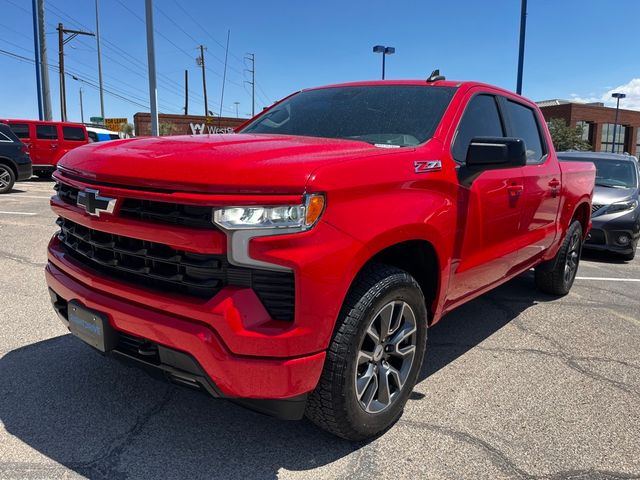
[
  {"x": 552, "y": 276},
  {"x": 7, "y": 179},
  {"x": 334, "y": 405}
]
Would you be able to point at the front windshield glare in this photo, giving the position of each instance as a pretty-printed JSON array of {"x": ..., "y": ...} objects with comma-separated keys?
[{"x": 393, "y": 115}]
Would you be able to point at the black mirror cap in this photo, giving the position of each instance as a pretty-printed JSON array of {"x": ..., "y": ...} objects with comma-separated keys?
[{"x": 494, "y": 151}]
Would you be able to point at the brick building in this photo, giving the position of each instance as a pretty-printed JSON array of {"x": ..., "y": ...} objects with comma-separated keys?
[
  {"x": 597, "y": 123},
  {"x": 185, "y": 124}
]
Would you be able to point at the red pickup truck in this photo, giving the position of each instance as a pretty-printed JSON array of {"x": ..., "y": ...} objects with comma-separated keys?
[{"x": 296, "y": 265}]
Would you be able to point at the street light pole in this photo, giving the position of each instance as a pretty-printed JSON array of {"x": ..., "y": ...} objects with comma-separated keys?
[
  {"x": 617, "y": 96},
  {"x": 384, "y": 51},
  {"x": 523, "y": 28},
  {"x": 236, "y": 104},
  {"x": 151, "y": 60},
  {"x": 99, "y": 63}
]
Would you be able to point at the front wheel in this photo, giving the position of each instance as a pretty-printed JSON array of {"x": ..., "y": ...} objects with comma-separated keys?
[
  {"x": 375, "y": 356},
  {"x": 7, "y": 179},
  {"x": 557, "y": 275},
  {"x": 631, "y": 255}
]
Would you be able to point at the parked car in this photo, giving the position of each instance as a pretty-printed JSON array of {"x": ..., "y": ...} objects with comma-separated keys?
[
  {"x": 294, "y": 267},
  {"x": 15, "y": 164},
  {"x": 99, "y": 134},
  {"x": 615, "y": 211},
  {"x": 48, "y": 141}
]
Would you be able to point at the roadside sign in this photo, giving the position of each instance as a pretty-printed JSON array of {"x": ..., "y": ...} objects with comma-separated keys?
[
  {"x": 99, "y": 120},
  {"x": 114, "y": 123}
]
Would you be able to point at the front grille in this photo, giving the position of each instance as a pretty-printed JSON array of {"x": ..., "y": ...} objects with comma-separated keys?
[
  {"x": 152, "y": 211},
  {"x": 595, "y": 207},
  {"x": 66, "y": 193},
  {"x": 158, "y": 266}
]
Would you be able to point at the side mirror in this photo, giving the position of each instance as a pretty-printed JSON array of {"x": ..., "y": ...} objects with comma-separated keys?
[{"x": 496, "y": 152}]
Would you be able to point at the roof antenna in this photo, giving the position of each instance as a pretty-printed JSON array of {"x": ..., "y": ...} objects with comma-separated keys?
[{"x": 435, "y": 76}]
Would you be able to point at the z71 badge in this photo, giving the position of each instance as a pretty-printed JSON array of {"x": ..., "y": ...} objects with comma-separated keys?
[{"x": 425, "y": 166}]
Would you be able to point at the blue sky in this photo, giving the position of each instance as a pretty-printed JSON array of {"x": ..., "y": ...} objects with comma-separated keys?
[{"x": 581, "y": 49}]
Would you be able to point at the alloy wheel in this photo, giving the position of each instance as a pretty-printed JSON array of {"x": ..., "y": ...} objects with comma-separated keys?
[
  {"x": 385, "y": 356},
  {"x": 573, "y": 257}
]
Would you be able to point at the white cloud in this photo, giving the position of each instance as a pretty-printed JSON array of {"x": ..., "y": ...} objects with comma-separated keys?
[{"x": 631, "y": 102}]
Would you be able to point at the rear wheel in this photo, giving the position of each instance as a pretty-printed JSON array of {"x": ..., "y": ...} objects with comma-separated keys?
[
  {"x": 375, "y": 356},
  {"x": 7, "y": 179},
  {"x": 557, "y": 275}
]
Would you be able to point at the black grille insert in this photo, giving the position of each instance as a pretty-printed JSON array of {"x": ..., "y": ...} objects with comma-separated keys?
[
  {"x": 155, "y": 265},
  {"x": 152, "y": 211}
]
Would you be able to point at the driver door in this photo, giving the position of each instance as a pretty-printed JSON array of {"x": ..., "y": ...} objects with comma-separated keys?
[{"x": 488, "y": 206}]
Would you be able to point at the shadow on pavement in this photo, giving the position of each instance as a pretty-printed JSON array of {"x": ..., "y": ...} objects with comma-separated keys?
[
  {"x": 103, "y": 419},
  {"x": 602, "y": 257}
]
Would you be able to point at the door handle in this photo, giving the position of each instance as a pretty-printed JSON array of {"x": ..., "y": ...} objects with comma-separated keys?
[
  {"x": 515, "y": 190},
  {"x": 555, "y": 183},
  {"x": 54, "y": 145}
]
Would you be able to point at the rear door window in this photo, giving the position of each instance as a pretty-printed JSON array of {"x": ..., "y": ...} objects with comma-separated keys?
[
  {"x": 47, "y": 132},
  {"x": 21, "y": 130},
  {"x": 524, "y": 125},
  {"x": 480, "y": 119},
  {"x": 75, "y": 134}
]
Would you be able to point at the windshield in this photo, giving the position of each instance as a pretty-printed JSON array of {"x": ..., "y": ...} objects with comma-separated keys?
[
  {"x": 385, "y": 115},
  {"x": 611, "y": 173}
]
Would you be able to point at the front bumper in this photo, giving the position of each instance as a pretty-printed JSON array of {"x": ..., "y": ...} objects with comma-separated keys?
[
  {"x": 234, "y": 376},
  {"x": 607, "y": 230}
]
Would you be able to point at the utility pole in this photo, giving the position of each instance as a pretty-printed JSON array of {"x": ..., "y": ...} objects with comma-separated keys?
[
  {"x": 186, "y": 92},
  {"x": 236, "y": 104},
  {"x": 44, "y": 64},
  {"x": 252, "y": 58},
  {"x": 523, "y": 28},
  {"x": 81, "y": 108},
  {"x": 151, "y": 60},
  {"x": 61, "y": 43},
  {"x": 36, "y": 50},
  {"x": 200, "y": 61},
  {"x": 99, "y": 63},
  {"x": 224, "y": 77}
]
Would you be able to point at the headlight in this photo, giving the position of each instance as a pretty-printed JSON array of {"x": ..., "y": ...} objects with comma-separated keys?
[
  {"x": 622, "y": 206},
  {"x": 301, "y": 217}
]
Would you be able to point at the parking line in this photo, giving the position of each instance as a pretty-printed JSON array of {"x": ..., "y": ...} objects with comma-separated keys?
[
  {"x": 24, "y": 196},
  {"x": 18, "y": 213},
  {"x": 606, "y": 279}
]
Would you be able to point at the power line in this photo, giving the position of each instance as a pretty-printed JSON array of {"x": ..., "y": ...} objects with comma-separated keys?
[{"x": 73, "y": 76}]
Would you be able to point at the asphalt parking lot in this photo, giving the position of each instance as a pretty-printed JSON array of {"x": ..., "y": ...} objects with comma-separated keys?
[{"x": 516, "y": 384}]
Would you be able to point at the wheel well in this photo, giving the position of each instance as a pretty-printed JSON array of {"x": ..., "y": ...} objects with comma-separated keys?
[
  {"x": 582, "y": 214},
  {"x": 9, "y": 163},
  {"x": 419, "y": 259}
]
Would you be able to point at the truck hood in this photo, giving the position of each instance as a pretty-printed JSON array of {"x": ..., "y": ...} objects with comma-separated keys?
[{"x": 234, "y": 163}]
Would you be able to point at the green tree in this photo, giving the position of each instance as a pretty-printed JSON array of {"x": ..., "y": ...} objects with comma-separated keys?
[
  {"x": 127, "y": 129},
  {"x": 166, "y": 128},
  {"x": 565, "y": 137}
]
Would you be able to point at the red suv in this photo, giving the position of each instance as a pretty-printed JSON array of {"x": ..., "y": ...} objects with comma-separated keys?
[
  {"x": 48, "y": 141},
  {"x": 295, "y": 266}
]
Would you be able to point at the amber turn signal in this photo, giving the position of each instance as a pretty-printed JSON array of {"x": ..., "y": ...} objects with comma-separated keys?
[{"x": 315, "y": 206}]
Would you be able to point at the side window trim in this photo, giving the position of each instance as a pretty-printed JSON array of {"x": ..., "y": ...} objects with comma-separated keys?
[{"x": 501, "y": 116}]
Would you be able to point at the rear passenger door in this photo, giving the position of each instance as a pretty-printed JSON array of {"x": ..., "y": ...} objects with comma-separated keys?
[
  {"x": 72, "y": 137},
  {"x": 542, "y": 181},
  {"x": 45, "y": 145},
  {"x": 488, "y": 206}
]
